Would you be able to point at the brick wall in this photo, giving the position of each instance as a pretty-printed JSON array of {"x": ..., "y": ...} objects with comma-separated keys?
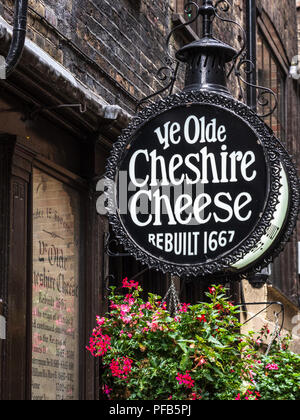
[
  {"x": 113, "y": 47},
  {"x": 283, "y": 16}
]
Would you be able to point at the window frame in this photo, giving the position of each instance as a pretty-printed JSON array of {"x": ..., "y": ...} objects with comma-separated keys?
[
  {"x": 282, "y": 97},
  {"x": 283, "y": 279}
]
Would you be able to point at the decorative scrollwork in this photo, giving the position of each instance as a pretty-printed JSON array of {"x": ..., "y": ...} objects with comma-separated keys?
[
  {"x": 243, "y": 48},
  {"x": 240, "y": 61},
  {"x": 262, "y": 100},
  {"x": 188, "y": 11},
  {"x": 108, "y": 243},
  {"x": 225, "y": 5},
  {"x": 170, "y": 70},
  {"x": 163, "y": 74}
]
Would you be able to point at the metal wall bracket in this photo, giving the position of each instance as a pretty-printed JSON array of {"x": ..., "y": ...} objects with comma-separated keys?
[
  {"x": 2, "y": 320},
  {"x": 269, "y": 304}
]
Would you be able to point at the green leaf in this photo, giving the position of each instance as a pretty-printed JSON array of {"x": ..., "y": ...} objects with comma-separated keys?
[
  {"x": 184, "y": 362},
  {"x": 216, "y": 342},
  {"x": 208, "y": 376},
  {"x": 220, "y": 365},
  {"x": 200, "y": 339},
  {"x": 183, "y": 346}
]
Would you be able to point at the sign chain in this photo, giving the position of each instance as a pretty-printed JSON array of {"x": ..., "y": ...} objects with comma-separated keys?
[{"x": 172, "y": 299}]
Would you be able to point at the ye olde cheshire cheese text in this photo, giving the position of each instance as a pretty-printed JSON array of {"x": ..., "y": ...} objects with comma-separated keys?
[{"x": 210, "y": 165}]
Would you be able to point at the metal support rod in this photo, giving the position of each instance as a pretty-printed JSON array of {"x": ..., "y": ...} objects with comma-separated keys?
[
  {"x": 140, "y": 274},
  {"x": 208, "y": 11},
  {"x": 251, "y": 53},
  {"x": 267, "y": 307},
  {"x": 18, "y": 36}
]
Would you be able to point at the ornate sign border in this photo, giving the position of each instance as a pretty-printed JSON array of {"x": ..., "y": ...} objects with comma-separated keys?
[
  {"x": 293, "y": 212},
  {"x": 275, "y": 154}
]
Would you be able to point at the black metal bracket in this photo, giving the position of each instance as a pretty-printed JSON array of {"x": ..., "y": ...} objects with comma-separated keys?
[
  {"x": 31, "y": 113},
  {"x": 261, "y": 98},
  {"x": 38, "y": 110},
  {"x": 269, "y": 304},
  {"x": 165, "y": 73},
  {"x": 108, "y": 243},
  {"x": 258, "y": 280}
]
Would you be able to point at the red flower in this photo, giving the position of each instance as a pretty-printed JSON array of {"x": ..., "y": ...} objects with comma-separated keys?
[
  {"x": 272, "y": 366},
  {"x": 202, "y": 318},
  {"x": 257, "y": 394},
  {"x": 130, "y": 284},
  {"x": 185, "y": 379},
  {"x": 99, "y": 343},
  {"x": 218, "y": 307},
  {"x": 195, "y": 396},
  {"x": 121, "y": 367},
  {"x": 106, "y": 390},
  {"x": 184, "y": 307}
]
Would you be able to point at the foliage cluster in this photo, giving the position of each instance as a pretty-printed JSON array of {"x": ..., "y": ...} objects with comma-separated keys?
[{"x": 198, "y": 354}]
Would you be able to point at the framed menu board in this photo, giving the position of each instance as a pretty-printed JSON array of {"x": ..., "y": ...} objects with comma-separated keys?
[{"x": 55, "y": 284}]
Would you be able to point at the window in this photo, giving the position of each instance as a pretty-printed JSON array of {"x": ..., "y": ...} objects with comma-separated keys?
[
  {"x": 271, "y": 75},
  {"x": 272, "y": 71}
]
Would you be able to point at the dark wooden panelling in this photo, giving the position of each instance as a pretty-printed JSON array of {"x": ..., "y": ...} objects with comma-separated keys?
[
  {"x": 18, "y": 313},
  {"x": 7, "y": 144}
]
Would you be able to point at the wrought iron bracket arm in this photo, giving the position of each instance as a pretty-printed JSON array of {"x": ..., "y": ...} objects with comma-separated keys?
[
  {"x": 168, "y": 72},
  {"x": 261, "y": 99}
]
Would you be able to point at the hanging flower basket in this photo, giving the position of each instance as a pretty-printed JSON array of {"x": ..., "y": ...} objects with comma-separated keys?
[{"x": 197, "y": 354}]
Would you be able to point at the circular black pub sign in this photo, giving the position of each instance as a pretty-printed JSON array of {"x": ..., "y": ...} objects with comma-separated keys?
[{"x": 198, "y": 185}]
